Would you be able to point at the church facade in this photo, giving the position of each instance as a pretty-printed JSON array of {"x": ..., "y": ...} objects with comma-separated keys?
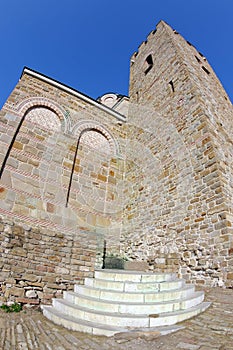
[{"x": 145, "y": 178}]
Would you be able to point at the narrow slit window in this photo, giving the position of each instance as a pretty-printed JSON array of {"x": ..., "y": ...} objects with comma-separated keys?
[
  {"x": 205, "y": 69},
  {"x": 172, "y": 85},
  {"x": 148, "y": 63},
  {"x": 198, "y": 59}
]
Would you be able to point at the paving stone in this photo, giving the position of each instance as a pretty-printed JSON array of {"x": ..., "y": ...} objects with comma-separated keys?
[
  {"x": 72, "y": 339},
  {"x": 188, "y": 346},
  {"x": 2, "y": 323}
]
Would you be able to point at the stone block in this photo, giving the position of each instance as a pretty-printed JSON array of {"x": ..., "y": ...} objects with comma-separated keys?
[
  {"x": 31, "y": 293},
  {"x": 136, "y": 265},
  {"x": 28, "y": 301},
  {"x": 18, "y": 251},
  {"x": 18, "y": 145},
  {"x": 15, "y": 291},
  {"x": 230, "y": 276}
]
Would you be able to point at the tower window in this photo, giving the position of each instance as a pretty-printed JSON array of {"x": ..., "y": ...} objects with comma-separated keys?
[
  {"x": 198, "y": 59},
  {"x": 205, "y": 70},
  {"x": 172, "y": 85},
  {"x": 148, "y": 64}
]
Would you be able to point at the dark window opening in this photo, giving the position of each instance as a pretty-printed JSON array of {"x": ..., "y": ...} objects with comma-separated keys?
[
  {"x": 205, "y": 70},
  {"x": 172, "y": 85},
  {"x": 149, "y": 63},
  {"x": 198, "y": 59}
]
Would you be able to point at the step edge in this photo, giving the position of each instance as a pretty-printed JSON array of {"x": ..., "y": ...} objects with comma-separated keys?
[
  {"x": 136, "y": 293},
  {"x": 203, "y": 305},
  {"x": 194, "y": 295},
  {"x": 125, "y": 315},
  {"x": 98, "y": 312},
  {"x": 162, "y": 329},
  {"x": 133, "y": 272},
  {"x": 77, "y": 320},
  {"x": 133, "y": 282}
]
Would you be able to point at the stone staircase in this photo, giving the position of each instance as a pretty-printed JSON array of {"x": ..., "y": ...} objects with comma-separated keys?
[{"x": 116, "y": 301}]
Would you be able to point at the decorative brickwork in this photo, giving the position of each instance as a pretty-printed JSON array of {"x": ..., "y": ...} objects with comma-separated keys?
[
  {"x": 29, "y": 104},
  {"x": 44, "y": 117},
  {"x": 105, "y": 143}
]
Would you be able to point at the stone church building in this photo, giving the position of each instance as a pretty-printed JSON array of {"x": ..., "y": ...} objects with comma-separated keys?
[{"x": 145, "y": 178}]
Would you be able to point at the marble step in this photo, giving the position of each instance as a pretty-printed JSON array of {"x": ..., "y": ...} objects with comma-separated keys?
[
  {"x": 118, "y": 301},
  {"x": 120, "y": 319},
  {"x": 121, "y": 307},
  {"x": 126, "y": 321},
  {"x": 129, "y": 286},
  {"x": 110, "y": 318},
  {"x": 171, "y": 318},
  {"x": 81, "y": 325},
  {"x": 138, "y": 297},
  {"x": 133, "y": 276}
]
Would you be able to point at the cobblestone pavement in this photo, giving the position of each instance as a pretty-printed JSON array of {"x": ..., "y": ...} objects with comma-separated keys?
[{"x": 212, "y": 330}]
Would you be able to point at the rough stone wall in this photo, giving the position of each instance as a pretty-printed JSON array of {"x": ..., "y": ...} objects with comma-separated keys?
[
  {"x": 38, "y": 264},
  {"x": 178, "y": 215}
]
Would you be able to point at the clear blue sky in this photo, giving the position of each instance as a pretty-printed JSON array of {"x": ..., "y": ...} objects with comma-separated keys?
[{"x": 87, "y": 44}]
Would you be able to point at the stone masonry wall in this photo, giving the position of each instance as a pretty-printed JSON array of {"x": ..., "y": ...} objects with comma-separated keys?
[
  {"x": 178, "y": 216},
  {"x": 37, "y": 264},
  {"x": 42, "y": 158},
  {"x": 70, "y": 207}
]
